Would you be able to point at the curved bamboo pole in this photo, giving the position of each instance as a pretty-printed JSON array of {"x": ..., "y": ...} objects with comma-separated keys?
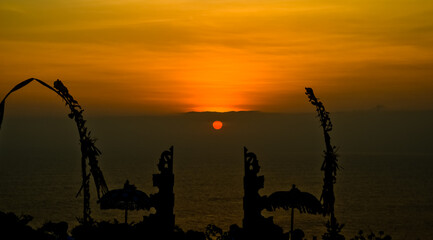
[
  {"x": 88, "y": 148},
  {"x": 329, "y": 167}
]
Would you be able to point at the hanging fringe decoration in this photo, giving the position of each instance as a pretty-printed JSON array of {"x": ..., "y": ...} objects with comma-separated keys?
[{"x": 88, "y": 149}]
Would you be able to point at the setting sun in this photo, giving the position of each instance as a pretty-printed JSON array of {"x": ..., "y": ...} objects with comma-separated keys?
[{"x": 217, "y": 125}]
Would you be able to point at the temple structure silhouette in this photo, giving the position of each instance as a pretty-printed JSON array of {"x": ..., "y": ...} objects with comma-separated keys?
[
  {"x": 254, "y": 224},
  {"x": 162, "y": 223},
  {"x": 163, "y": 201}
]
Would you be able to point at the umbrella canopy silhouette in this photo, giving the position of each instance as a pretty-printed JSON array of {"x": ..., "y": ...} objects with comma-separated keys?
[
  {"x": 128, "y": 198},
  {"x": 303, "y": 201}
]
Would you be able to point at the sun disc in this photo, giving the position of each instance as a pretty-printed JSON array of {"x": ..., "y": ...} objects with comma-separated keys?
[{"x": 217, "y": 125}]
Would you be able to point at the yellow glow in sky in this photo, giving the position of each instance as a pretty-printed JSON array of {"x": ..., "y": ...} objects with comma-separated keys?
[{"x": 123, "y": 57}]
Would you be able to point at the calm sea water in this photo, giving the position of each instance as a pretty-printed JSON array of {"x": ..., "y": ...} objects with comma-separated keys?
[{"x": 376, "y": 190}]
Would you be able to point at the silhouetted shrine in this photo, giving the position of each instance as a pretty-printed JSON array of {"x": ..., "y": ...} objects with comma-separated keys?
[
  {"x": 254, "y": 224},
  {"x": 163, "y": 201}
]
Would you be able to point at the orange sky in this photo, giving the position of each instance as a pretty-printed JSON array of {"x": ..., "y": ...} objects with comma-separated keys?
[{"x": 169, "y": 56}]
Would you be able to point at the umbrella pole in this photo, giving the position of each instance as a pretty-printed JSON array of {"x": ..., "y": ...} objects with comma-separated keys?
[
  {"x": 291, "y": 224},
  {"x": 126, "y": 215}
]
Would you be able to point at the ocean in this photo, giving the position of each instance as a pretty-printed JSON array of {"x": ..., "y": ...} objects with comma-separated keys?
[{"x": 385, "y": 182}]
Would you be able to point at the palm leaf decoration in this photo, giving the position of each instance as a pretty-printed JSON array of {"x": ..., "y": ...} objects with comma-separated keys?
[
  {"x": 329, "y": 167},
  {"x": 88, "y": 149},
  {"x": 16, "y": 88}
]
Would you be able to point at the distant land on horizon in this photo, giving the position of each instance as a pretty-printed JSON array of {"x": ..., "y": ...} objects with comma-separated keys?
[{"x": 366, "y": 131}]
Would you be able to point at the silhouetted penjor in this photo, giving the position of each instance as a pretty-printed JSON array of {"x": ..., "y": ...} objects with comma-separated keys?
[
  {"x": 88, "y": 149},
  {"x": 329, "y": 167}
]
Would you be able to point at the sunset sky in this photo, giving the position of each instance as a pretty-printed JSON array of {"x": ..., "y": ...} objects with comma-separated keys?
[{"x": 170, "y": 56}]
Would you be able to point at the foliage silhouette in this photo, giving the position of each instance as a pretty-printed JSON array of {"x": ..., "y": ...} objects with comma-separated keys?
[
  {"x": 58, "y": 230},
  {"x": 371, "y": 236},
  {"x": 213, "y": 232},
  {"x": 16, "y": 227}
]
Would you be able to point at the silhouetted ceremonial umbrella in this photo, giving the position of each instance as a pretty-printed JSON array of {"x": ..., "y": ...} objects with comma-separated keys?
[
  {"x": 128, "y": 198},
  {"x": 303, "y": 201}
]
